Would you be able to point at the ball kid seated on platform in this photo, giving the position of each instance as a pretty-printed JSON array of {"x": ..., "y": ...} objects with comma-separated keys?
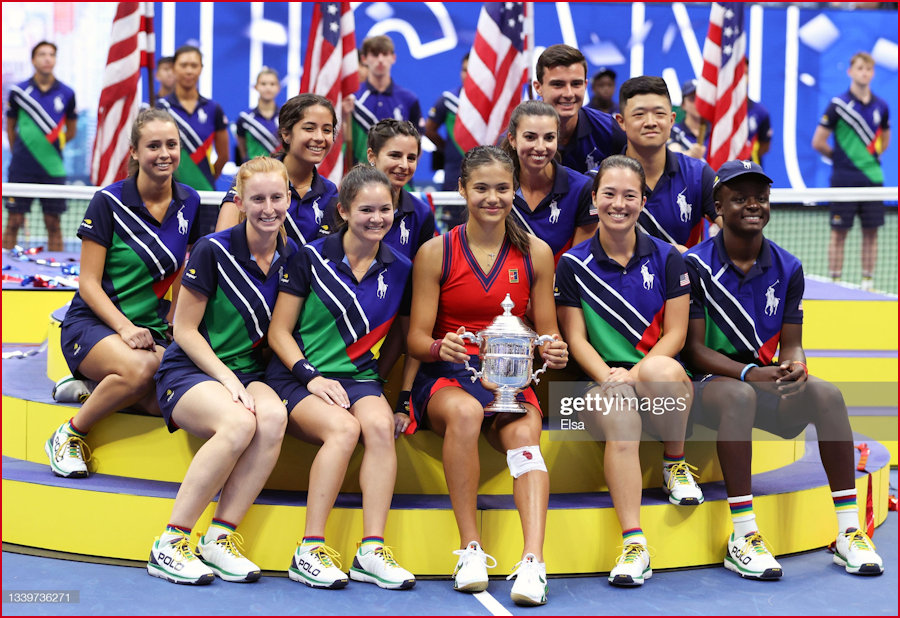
[{"x": 746, "y": 303}]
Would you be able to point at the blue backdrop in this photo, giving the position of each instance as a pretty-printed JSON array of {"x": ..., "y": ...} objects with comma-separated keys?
[
  {"x": 430, "y": 41},
  {"x": 802, "y": 57}
]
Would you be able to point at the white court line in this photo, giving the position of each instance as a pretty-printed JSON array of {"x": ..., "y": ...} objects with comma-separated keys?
[{"x": 491, "y": 604}]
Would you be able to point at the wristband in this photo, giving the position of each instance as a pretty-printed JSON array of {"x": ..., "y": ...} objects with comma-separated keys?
[
  {"x": 304, "y": 372},
  {"x": 805, "y": 368},
  {"x": 436, "y": 349},
  {"x": 746, "y": 370},
  {"x": 402, "y": 406}
]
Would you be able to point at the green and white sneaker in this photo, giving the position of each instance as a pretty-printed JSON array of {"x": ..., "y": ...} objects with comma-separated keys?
[
  {"x": 749, "y": 557},
  {"x": 225, "y": 558},
  {"x": 171, "y": 559},
  {"x": 530, "y": 587},
  {"x": 632, "y": 567},
  {"x": 318, "y": 567},
  {"x": 379, "y": 567},
  {"x": 855, "y": 551},
  {"x": 68, "y": 453}
]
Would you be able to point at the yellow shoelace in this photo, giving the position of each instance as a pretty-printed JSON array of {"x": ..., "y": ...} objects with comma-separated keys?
[
  {"x": 860, "y": 540},
  {"x": 631, "y": 552},
  {"x": 680, "y": 473},
  {"x": 77, "y": 448},
  {"x": 182, "y": 547},
  {"x": 327, "y": 556},
  {"x": 754, "y": 542},
  {"x": 233, "y": 544}
]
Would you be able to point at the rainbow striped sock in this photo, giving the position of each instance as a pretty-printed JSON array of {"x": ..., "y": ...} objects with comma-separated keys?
[
  {"x": 634, "y": 535},
  {"x": 742, "y": 515},
  {"x": 70, "y": 427},
  {"x": 846, "y": 509},
  {"x": 172, "y": 531},
  {"x": 668, "y": 460},
  {"x": 370, "y": 544},
  {"x": 309, "y": 542},
  {"x": 217, "y": 529}
]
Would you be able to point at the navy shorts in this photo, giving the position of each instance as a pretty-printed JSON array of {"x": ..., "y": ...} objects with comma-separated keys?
[
  {"x": 174, "y": 379},
  {"x": 767, "y": 417},
  {"x": 871, "y": 214},
  {"x": 22, "y": 205},
  {"x": 292, "y": 392},
  {"x": 432, "y": 377},
  {"x": 81, "y": 332}
]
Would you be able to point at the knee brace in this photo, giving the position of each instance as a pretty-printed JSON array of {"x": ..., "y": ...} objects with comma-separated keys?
[{"x": 524, "y": 459}]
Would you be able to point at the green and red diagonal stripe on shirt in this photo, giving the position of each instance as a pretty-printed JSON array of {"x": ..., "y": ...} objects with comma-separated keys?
[{"x": 41, "y": 145}]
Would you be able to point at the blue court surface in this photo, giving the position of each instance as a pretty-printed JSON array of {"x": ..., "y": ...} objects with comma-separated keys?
[{"x": 812, "y": 586}]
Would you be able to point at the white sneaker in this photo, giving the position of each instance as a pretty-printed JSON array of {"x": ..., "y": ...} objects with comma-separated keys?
[
  {"x": 530, "y": 587},
  {"x": 379, "y": 567},
  {"x": 70, "y": 390},
  {"x": 470, "y": 574},
  {"x": 632, "y": 567},
  {"x": 174, "y": 561},
  {"x": 225, "y": 558},
  {"x": 855, "y": 551},
  {"x": 867, "y": 284},
  {"x": 749, "y": 557},
  {"x": 680, "y": 486},
  {"x": 68, "y": 454},
  {"x": 318, "y": 567}
]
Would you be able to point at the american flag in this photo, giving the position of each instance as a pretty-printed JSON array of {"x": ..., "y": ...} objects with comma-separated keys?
[
  {"x": 331, "y": 69},
  {"x": 722, "y": 88},
  {"x": 498, "y": 68},
  {"x": 131, "y": 47}
]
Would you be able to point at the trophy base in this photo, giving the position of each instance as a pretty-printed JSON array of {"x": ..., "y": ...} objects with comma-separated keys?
[{"x": 505, "y": 401}]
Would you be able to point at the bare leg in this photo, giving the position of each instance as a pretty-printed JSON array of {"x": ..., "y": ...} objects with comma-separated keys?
[
  {"x": 337, "y": 431},
  {"x": 14, "y": 222},
  {"x": 457, "y": 416},
  {"x": 54, "y": 232},
  {"x": 869, "y": 251},
  {"x": 836, "y": 252},
  {"x": 124, "y": 377},
  {"x": 531, "y": 490},
  {"x": 252, "y": 470},
  {"x": 207, "y": 411},
  {"x": 379, "y": 464}
]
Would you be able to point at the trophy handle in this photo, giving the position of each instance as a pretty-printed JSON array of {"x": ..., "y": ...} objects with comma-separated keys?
[
  {"x": 467, "y": 336},
  {"x": 541, "y": 341}
]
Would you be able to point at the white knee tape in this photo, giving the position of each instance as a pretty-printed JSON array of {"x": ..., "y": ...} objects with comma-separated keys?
[{"x": 524, "y": 459}]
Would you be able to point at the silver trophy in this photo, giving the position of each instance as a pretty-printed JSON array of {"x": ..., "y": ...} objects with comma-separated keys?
[{"x": 506, "y": 349}]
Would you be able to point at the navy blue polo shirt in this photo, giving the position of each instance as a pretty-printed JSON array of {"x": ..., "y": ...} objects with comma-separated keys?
[
  {"x": 623, "y": 308},
  {"x": 413, "y": 225},
  {"x": 260, "y": 133},
  {"x": 597, "y": 135},
  {"x": 197, "y": 131},
  {"x": 309, "y": 216},
  {"x": 143, "y": 255},
  {"x": 682, "y": 196},
  {"x": 566, "y": 207},
  {"x": 744, "y": 312},
  {"x": 40, "y": 118},
  {"x": 240, "y": 297},
  {"x": 857, "y": 129},
  {"x": 444, "y": 113},
  {"x": 371, "y": 106},
  {"x": 344, "y": 322}
]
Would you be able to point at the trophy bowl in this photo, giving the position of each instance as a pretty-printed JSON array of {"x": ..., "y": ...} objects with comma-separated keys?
[{"x": 506, "y": 350}]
